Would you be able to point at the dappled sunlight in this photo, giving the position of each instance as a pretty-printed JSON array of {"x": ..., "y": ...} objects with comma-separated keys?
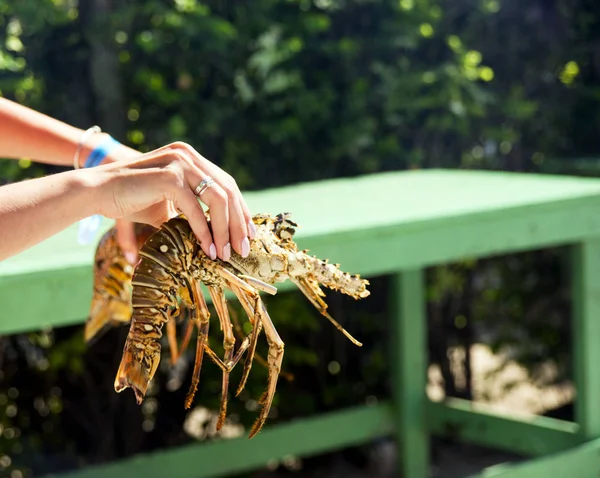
[{"x": 508, "y": 390}]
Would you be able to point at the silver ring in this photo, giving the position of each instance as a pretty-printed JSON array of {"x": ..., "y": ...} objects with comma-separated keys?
[{"x": 204, "y": 185}]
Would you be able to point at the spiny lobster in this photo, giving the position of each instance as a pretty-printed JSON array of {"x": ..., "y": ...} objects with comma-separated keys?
[{"x": 168, "y": 276}]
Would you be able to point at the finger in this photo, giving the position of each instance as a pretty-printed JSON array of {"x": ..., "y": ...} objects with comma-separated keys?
[
  {"x": 237, "y": 223},
  {"x": 172, "y": 210},
  {"x": 238, "y": 228},
  {"x": 213, "y": 196},
  {"x": 242, "y": 211},
  {"x": 251, "y": 228},
  {"x": 126, "y": 240},
  {"x": 216, "y": 200},
  {"x": 240, "y": 218},
  {"x": 187, "y": 202}
]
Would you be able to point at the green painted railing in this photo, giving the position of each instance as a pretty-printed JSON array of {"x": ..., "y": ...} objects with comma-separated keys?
[{"x": 398, "y": 224}]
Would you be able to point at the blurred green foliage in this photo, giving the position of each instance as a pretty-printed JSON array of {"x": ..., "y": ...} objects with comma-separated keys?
[{"x": 281, "y": 91}]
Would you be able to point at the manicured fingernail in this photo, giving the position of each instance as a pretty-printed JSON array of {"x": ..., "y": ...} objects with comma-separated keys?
[
  {"x": 251, "y": 229},
  {"x": 245, "y": 247},
  {"x": 227, "y": 252},
  {"x": 212, "y": 252},
  {"x": 131, "y": 257}
]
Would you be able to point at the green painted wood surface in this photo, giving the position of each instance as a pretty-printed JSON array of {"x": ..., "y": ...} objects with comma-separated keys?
[
  {"x": 579, "y": 462},
  {"x": 305, "y": 437},
  {"x": 476, "y": 423},
  {"x": 586, "y": 335},
  {"x": 375, "y": 224},
  {"x": 409, "y": 371}
]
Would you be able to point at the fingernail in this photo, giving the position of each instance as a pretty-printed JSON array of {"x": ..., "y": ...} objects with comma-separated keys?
[
  {"x": 131, "y": 257},
  {"x": 227, "y": 252},
  {"x": 251, "y": 229},
  {"x": 212, "y": 252},
  {"x": 245, "y": 247}
]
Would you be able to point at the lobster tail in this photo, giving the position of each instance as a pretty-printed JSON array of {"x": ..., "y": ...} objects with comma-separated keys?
[
  {"x": 155, "y": 285},
  {"x": 132, "y": 374},
  {"x": 103, "y": 315},
  {"x": 111, "y": 302}
]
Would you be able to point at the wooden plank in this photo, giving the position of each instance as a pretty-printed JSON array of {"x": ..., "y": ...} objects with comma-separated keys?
[
  {"x": 54, "y": 298},
  {"x": 586, "y": 335},
  {"x": 445, "y": 216},
  {"x": 309, "y": 436},
  {"x": 24, "y": 297},
  {"x": 580, "y": 462},
  {"x": 409, "y": 372},
  {"x": 411, "y": 200},
  {"x": 476, "y": 423}
]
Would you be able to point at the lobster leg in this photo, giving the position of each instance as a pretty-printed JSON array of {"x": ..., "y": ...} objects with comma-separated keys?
[
  {"x": 218, "y": 298},
  {"x": 314, "y": 294},
  {"x": 246, "y": 297},
  {"x": 201, "y": 317},
  {"x": 187, "y": 336},
  {"x": 275, "y": 359},
  {"x": 260, "y": 285},
  {"x": 249, "y": 297},
  {"x": 172, "y": 338},
  {"x": 228, "y": 367},
  {"x": 259, "y": 358},
  {"x": 254, "y": 306}
]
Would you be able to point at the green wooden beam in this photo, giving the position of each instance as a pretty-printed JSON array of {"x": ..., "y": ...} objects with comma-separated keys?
[
  {"x": 580, "y": 462},
  {"x": 409, "y": 372},
  {"x": 57, "y": 298},
  {"x": 52, "y": 298},
  {"x": 309, "y": 436},
  {"x": 411, "y": 220},
  {"x": 586, "y": 335},
  {"x": 476, "y": 423}
]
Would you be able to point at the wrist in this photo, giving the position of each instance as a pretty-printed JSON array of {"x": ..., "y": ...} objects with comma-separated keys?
[
  {"x": 90, "y": 146},
  {"x": 101, "y": 184},
  {"x": 87, "y": 188},
  {"x": 120, "y": 153},
  {"x": 114, "y": 151}
]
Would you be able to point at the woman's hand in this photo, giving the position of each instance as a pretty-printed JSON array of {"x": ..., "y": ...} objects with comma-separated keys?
[
  {"x": 125, "y": 229},
  {"x": 146, "y": 188},
  {"x": 157, "y": 185}
]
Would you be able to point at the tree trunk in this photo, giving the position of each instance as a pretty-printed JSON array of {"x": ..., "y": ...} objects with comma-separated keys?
[{"x": 104, "y": 71}]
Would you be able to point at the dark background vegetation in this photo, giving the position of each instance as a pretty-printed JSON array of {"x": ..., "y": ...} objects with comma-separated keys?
[{"x": 281, "y": 91}]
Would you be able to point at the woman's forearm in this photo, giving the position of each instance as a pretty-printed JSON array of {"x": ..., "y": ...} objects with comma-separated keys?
[
  {"x": 25, "y": 133},
  {"x": 34, "y": 210}
]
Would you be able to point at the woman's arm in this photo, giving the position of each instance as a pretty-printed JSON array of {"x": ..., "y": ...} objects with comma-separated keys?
[
  {"x": 147, "y": 189},
  {"x": 25, "y": 133},
  {"x": 36, "y": 209}
]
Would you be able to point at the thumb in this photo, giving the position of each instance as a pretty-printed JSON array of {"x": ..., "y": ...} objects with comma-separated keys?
[{"x": 126, "y": 240}]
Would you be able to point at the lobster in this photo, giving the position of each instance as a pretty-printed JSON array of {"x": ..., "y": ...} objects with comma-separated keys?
[
  {"x": 168, "y": 276},
  {"x": 111, "y": 300}
]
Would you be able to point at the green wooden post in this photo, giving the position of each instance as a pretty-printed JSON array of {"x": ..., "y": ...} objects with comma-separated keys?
[
  {"x": 586, "y": 336},
  {"x": 409, "y": 372}
]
